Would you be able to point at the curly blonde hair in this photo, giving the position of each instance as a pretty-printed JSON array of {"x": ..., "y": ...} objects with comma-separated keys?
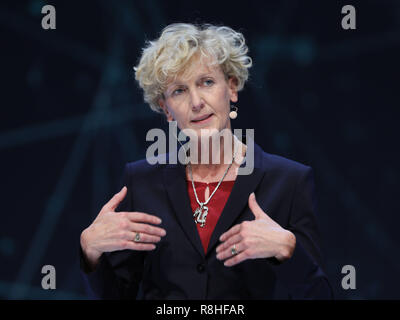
[{"x": 171, "y": 53}]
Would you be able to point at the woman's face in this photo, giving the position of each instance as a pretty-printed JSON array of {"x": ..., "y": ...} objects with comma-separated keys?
[{"x": 200, "y": 98}]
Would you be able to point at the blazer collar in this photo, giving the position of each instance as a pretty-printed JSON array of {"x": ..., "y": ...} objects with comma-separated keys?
[{"x": 175, "y": 183}]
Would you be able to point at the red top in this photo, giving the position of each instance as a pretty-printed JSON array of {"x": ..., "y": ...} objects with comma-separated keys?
[{"x": 215, "y": 206}]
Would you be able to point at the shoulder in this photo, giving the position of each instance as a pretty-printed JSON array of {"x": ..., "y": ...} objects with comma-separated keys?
[
  {"x": 146, "y": 168},
  {"x": 277, "y": 165},
  {"x": 279, "y": 162}
]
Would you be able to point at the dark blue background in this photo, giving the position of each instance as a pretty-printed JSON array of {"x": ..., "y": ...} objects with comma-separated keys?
[{"x": 72, "y": 116}]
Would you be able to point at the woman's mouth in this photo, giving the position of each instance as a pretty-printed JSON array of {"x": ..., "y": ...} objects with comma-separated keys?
[{"x": 202, "y": 119}]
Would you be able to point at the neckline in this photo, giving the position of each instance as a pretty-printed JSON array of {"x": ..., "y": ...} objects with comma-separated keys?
[
  {"x": 213, "y": 182},
  {"x": 243, "y": 163}
]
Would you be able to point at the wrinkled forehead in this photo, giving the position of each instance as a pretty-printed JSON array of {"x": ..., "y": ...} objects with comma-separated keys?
[{"x": 198, "y": 65}]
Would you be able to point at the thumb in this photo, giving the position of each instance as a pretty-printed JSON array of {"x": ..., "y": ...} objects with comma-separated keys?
[
  {"x": 115, "y": 200},
  {"x": 254, "y": 207}
]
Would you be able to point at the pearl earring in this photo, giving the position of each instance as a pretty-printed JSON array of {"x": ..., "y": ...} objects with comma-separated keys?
[{"x": 233, "y": 114}]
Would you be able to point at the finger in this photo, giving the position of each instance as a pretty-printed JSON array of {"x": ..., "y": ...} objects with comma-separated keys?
[
  {"x": 137, "y": 246},
  {"x": 115, "y": 200},
  {"x": 227, "y": 253},
  {"x": 229, "y": 242},
  {"x": 242, "y": 256},
  {"x": 145, "y": 228},
  {"x": 258, "y": 212},
  {"x": 235, "y": 229},
  {"x": 142, "y": 217},
  {"x": 144, "y": 237},
  {"x": 254, "y": 207}
]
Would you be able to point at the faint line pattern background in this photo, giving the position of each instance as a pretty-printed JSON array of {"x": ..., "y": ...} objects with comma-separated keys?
[{"x": 72, "y": 116}]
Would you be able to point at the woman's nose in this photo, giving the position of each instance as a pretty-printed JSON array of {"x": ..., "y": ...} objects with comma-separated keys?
[{"x": 196, "y": 100}]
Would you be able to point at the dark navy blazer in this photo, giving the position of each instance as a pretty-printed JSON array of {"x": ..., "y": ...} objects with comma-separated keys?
[{"x": 179, "y": 269}]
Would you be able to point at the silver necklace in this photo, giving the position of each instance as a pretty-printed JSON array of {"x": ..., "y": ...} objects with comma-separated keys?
[{"x": 201, "y": 212}]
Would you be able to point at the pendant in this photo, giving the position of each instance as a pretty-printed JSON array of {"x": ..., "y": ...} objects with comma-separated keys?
[{"x": 201, "y": 214}]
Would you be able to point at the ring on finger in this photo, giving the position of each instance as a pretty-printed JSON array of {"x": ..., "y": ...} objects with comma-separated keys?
[
  {"x": 137, "y": 237},
  {"x": 234, "y": 251}
]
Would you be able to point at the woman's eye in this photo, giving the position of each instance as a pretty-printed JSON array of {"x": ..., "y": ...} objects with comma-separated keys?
[
  {"x": 208, "y": 82},
  {"x": 177, "y": 92}
]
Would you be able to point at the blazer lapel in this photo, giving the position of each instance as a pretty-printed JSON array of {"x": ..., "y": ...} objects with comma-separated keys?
[
  {"x": 238, "y": 199},
  {"x": 175, "y": 184}
]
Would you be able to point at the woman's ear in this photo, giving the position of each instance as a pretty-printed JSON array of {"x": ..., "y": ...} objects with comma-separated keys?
[
  {"x": 163, "y": 106},
  {"x": 233, "y": 84}
]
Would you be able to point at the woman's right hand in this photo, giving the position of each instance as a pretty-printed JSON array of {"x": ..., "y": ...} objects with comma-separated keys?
[{"x": 112, "y": 231}]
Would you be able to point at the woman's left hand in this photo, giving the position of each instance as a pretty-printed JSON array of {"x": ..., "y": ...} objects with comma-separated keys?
[{"x": 259, "y": 238}]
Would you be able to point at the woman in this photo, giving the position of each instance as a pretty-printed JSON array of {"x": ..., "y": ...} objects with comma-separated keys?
[{"x": 201, "y": 230}]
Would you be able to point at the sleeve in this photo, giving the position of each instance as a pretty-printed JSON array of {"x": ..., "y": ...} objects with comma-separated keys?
[
  {"x": 118, "y": 274},
  {"x": 302, "y": 274}
]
